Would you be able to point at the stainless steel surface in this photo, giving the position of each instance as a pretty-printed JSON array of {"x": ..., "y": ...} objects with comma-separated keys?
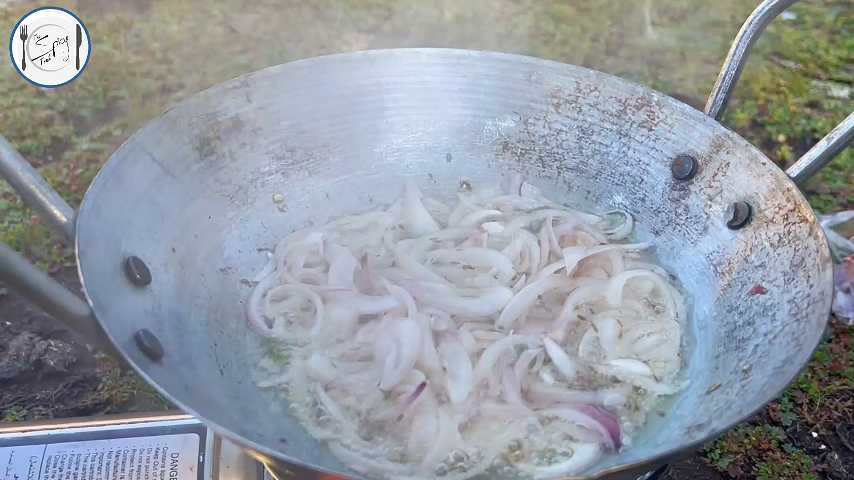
[
  {"x": 736, "y": 59},
  {"x": 339, "y": 134},
  {"x": 235, "y": 464},
  {"x": 35, "y": 191},
  {"x": 20, "y": 275},
  {"x": 823, "y": 152}
]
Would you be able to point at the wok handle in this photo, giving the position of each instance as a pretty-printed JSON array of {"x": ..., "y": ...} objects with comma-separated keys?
[
  {"x": 17, "y": 273},
  {"x": 738, "y": 53},
  {"x": 827, "y": 148}
]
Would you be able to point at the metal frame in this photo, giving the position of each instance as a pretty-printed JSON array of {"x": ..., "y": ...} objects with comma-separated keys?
[
  {"x": 18, "y": 274},
  {"x": 828, "y": 147}
]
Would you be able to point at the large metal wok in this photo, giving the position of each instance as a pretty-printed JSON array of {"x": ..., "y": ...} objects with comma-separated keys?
[{"x": 170, "y": 229}]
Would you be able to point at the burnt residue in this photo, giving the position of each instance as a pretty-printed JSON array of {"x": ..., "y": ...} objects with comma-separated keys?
[
  {"x": 646, "y": 111},
  {"x": 213, "y": 133}
]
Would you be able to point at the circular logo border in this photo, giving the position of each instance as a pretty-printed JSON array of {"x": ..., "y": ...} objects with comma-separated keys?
[{"x": 15, "y": 30}]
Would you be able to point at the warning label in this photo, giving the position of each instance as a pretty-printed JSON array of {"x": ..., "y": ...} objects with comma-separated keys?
[{"x": 165, "y": 457}]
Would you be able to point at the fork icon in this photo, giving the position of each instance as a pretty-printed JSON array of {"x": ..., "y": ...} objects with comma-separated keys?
[{"x": 23, "y": 37}]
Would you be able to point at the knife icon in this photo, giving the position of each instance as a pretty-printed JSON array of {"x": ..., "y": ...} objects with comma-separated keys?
[{"x": 79, "y": 42}]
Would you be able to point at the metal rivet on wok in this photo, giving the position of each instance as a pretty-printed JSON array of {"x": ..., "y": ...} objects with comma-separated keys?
[
  {"x": 738, "y": 214},
  {"x": 137, "y": 271},
  {"x": 148, "y": 344},
  {"x": 684, "y": 167}
]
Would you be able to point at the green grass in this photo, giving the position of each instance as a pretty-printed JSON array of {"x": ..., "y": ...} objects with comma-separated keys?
[
  {"x": 759, "y": 452},
  {"x": 784, "y": 104},
  {"x": 143, "y": 63}
]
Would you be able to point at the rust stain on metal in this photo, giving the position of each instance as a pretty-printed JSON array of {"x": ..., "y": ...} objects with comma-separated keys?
[
  {"x": 560, "y": 101},
  {"x": 716, "y": 176}
]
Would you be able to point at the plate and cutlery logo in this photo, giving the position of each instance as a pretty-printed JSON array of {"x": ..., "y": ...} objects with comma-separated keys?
[{"x": 50, "y": 47}]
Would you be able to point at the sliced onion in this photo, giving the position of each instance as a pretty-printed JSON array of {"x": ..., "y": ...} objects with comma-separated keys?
[
  {"x": 574, "y": 255},
  {"x": 342, "y": 265},
  {"x": 368, "y": 305},
  {"x": 407, "y": 347},
  {"x": 543, "y": 395},
  {"x": 583, "y": 456},
  {"x": 405, "y": 260},
  {"x": 457, "y": 365},
  {"x": 491, "y": 301},
  {"x": 618, "y": 228},
  {"x": 532, "y": 247},
  {"x": 595, "y": 419},
  {"x": 402, "y": 296},
  {"x": 568, "y": 368},
  {"x": 516, "y": 182},
  {"x": 253, "y": 307},
  {"x": 480, "y": 257},
  {"x": 486, "y": 364},
  {"x": 409, "y": 342},
  {"x": 285, "y": 290},
  {"x": 416, "y": 218},
  {"x": 411, "y": 399},
  {"x": 522, "y": 301},
  {"x": 614, "y": 293},
  {"x": 523, "y": 364},
  {"x": 331, "y": 407},
  {"x": 425, "y": 429},
  {"x": 341, "y": 318},
  {"x": 580, "y": 294},
  {"x": 321, "y": 368},
  {"x": 511, "y": 387},
  {"x": 267, "y": 270},
  {"x": 609, "y": 331},
  {"x": 447, "y": 440},
  {"x": 479, "y": 217},
  {"x": 428, "y": 359}
]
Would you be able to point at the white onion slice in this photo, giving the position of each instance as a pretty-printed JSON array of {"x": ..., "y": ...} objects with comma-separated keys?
[
  {"x": 568, "y": 368},
  {"x": 592, "y": 418},
  {"x": 284, "y": 290},
  {"x": 416, "y": 218},
  {"x": 404, "y": 354},
  {"x": 321, "y": 368},
  {"x": 583, "y": 456},
  {"x": 457, "y": 365},
  {"x": 491, "y": 301},
  {"x": 522, "y": 301},
  {"x": 484, "y": 257},
  {"x": 342, "y": 265}
]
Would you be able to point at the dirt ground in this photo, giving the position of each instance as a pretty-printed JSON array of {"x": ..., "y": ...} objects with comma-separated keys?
[
  {"x": 47, "y": 371},
  {"x": 150, "y": 54}
]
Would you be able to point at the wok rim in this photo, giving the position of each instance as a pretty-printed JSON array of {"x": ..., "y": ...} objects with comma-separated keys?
[{"x": 269, "y": 455}]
